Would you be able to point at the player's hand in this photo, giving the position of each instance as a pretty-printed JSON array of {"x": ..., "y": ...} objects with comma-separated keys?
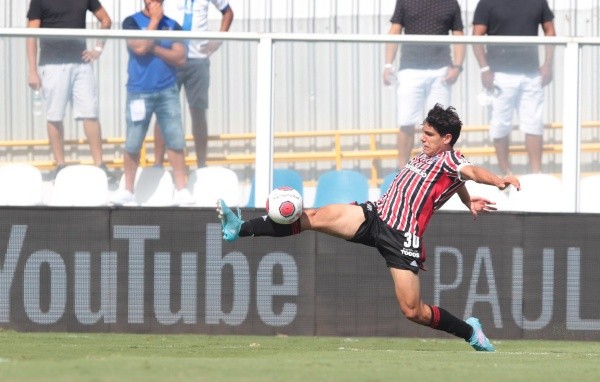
[
  {"x": 389, "y": 76},
  {"x": 508, "y": 181},
  {"x": 90, "y": 55},
  {"x": 546, "y": 74},
  {"x": 155, "y": 10},
  {"x": 487, "y": 80},
  {"x": 211, "y": 47},
  {"x": 481, "y": 205},
  {"x": 452, "y": 75},
  {"x": 34, "y": 81}
]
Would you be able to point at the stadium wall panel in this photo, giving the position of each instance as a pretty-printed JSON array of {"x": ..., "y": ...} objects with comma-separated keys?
[{"x": 167, "y": 270}]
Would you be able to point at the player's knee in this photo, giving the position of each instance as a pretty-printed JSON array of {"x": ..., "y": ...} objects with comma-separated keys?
[
  {"x": 413, "y": 313},
  {"x": 410, "y": 312}
]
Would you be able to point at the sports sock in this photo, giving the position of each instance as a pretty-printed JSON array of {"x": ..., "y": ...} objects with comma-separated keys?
[
  {"x": 264, "y": 226},
  {"x": 441, "y": 319}
]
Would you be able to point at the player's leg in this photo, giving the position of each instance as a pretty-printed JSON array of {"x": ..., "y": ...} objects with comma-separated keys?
[
  {"x": 56, "y": 138},
  {"x": 340, "y": 220},
  {"x": 200, "y": 133},
  {"x": 408, "y": 294},
  {"x": 501, "y": 117},
  {"x": 85, "y": 107},
  {"x": 138, "y": 110},
  {"x": 159, "y": 147},
  {"x": 405, "y": 142},
  {"x": 56, "y": 86},
  {"x": 410, "y": 95},
  {"x": 195, "y": 77},
  {"x": 168, "y": 117},
  {"x": 501, "y": 145},
  {"x": 531, "y": 120}
]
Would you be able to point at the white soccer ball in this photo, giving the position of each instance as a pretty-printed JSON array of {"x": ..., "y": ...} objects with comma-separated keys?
[{"x": 284, "y": 205}]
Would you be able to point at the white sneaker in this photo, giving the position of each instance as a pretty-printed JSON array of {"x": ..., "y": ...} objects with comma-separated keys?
[
  {"x": 183, "y": 197},
  {"x": 123, "y": 197}
]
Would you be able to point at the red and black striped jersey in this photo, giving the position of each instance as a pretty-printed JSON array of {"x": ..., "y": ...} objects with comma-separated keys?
[{"x": 421, "y": 187}]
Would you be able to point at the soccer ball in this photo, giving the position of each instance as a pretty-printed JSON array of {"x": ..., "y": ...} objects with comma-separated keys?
[{"x": 284, "y": 205}]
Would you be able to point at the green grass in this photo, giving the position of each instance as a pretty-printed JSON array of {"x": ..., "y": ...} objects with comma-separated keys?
[{"x": 120, "y": 357}]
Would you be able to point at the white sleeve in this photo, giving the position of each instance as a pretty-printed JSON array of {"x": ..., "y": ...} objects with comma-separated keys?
[
  {"x": 460, "y": 166},
  {"x": 220, "y": 4}
]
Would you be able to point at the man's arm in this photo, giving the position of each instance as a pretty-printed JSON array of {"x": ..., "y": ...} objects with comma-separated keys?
[
  {"x": 487, "y": 76},
  {"x": 546, "y": 68},
  {"x": 390, "y": 55},
  {"x": 175, "y": 56},
  {"x": 481, "y": 175},
  {"x": 105, "y": 23},
  {"x": 475, "y": 204},
  {"x": 33, "y": 79},
  {"x": 141, "y": 47},
  {"x": 458, "y": 57},
  {"x": 226, "y": 21}
]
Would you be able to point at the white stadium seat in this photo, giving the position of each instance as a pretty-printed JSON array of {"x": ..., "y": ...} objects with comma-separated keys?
[
  {"x": 207, "y": 184},
  {"x": 20, "y": 185},
  {"x": 539, "y": 193},
  {"x": 80, "y": 185}
]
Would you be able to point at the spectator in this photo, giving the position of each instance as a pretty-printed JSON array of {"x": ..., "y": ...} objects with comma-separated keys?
[
  {"x": 65, "y": 73},
  {"x": 195, "y": 75},
  {"x": 152, "y": 89},
  {"x": 426, "y": 70},
  {"x": 515, "y": 72}
]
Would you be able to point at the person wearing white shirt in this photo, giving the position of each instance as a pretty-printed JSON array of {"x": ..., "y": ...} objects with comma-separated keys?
[{"x": 195, "y": 75}]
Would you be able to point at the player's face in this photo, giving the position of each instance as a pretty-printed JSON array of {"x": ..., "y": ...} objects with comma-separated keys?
[
  {"x": 148, "y": 2},
  {"x": 433, "y": 142}
]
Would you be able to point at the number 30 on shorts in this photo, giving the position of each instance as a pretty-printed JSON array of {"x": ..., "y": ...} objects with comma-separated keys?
[{"x": 412, "y": 241}]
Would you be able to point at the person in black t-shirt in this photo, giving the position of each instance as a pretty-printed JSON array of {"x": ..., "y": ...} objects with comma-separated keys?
[
  {"x": 65, "y": 74},
  {"x": 426, "y": 71},
  {"x": 513, "y": 73}
]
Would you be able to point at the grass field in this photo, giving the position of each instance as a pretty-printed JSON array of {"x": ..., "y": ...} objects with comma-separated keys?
[{"x": 124, "y": 357}]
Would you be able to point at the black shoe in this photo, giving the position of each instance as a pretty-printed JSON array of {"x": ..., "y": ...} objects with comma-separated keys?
[
  {"x": 109, "y": 174},
  {"x": 58, "y": 169}
]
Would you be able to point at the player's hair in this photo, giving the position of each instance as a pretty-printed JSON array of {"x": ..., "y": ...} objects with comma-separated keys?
[{"x": 444, "y": 121}]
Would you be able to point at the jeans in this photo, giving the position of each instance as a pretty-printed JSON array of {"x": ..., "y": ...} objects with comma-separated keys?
[{"x": 165, "y": 104}]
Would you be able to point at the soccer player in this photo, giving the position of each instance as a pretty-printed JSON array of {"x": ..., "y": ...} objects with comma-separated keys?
[{"x": 395, "y": 223}]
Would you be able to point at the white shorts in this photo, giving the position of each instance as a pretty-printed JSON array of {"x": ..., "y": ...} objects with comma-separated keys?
[
  {"x": 418, "y": 90},
  {"x": 69, "y": 83},
  {"x": 520, "y": 93}
]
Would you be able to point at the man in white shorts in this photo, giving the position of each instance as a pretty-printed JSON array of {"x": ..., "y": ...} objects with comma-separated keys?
[
  {"x": 65, "y": 74},
  {"x": 195, "y": 75},
  {"x": 427, "y": 71},
  {"x": 514, "y": 73}
]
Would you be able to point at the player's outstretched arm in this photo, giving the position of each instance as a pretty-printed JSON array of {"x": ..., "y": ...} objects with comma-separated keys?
[
  {"x": 481, "y": 175},
  {"x": 475, "y": 204}
]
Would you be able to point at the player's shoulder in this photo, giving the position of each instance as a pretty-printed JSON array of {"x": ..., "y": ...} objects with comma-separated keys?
[
  {"x": 130, "y": 23},
  {"x": 170, "y": 24}
]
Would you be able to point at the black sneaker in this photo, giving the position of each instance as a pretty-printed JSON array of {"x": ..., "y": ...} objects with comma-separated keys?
[
  {"x": 57, "y": 169},
  {"x": 109, "y": 174}
]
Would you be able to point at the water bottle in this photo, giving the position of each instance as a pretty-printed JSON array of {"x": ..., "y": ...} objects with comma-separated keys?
[{"x": 37, "y": 102}]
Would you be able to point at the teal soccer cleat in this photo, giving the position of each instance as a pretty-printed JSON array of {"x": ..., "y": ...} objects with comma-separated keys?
[
  {"x": 230, "y": 222},
  {"x": 478, "y": 340}
]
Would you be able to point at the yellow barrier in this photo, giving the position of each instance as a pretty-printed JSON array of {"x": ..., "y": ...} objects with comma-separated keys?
[{"x": 335, "y": 153}]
